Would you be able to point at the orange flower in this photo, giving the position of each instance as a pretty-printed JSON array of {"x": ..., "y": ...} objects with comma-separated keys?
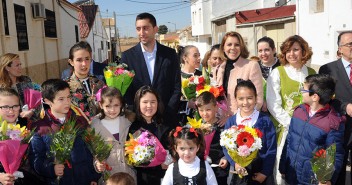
[
  {"x": 130, "y": 145},
  {"x": 215, "y": 91},
  {"x": 320, "y": 153}
]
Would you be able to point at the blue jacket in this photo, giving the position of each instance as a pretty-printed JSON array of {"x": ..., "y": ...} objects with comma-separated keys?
[
  {"x": 82, "y": 171},
  {"x": 267, "y": 153},
  {"x": 304, "y": 136}
]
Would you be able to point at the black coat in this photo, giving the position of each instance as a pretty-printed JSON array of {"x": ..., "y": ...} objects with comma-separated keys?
[{"x": 166, "y": 81}]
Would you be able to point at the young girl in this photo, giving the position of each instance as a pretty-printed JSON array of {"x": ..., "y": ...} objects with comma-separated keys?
[
  {"x": 187, "y": 146},
  {"x": 10, "y": 111},
  {"x": 113, "y": 126},
  {"x": 148, "y": 110},
  {"x": 261, "y": 169},
  {"x": 207, "y": 109},
  {"x": 83, "y": 86}
]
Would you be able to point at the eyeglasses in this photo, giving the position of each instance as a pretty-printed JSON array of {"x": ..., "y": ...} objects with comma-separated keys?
[
  {"x": 347, "y": 45},
  {"x": 305, "y": 91},
  {"x": 8, "y": 108}
]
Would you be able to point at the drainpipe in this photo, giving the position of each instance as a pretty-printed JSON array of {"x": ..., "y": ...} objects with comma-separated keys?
[
  {"x": 297, "y": 17},
  {"x": 254, "y": 40}
]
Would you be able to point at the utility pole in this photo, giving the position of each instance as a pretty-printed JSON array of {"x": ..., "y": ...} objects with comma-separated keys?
[{"x": 117, "y": 32}]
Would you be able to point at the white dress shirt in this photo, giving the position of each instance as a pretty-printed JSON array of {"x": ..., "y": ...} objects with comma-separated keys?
[{"x": 150, "y": 61}]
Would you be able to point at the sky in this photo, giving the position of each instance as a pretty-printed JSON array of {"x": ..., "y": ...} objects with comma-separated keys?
[{"x": 177, "y": 12}]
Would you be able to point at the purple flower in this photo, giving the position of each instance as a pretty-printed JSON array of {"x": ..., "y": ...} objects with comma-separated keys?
[{"x": 14, "y": 134}]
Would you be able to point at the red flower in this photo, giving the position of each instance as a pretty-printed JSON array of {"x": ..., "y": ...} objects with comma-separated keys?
[
  {"x": 221, "y": 89},
  {"x": 199, "y": 87},
  {"x": 78, "y": 95},
  {"x": 239, "y": 127},
  {"x": 259, "y": 133},
  {"x": 201, "y": 80},
  {"x": 320, "y": 153},
  {"x": 245, "y": 138},
  {"x": 191, "y": 79}
]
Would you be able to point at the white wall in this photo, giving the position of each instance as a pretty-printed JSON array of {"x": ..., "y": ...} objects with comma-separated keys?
[
  {"x": 201, "y": 13},
  {"x": 96, "y": 35},
  {"x": 67, "y": 29},
  {"x": 320, "y": 30}
]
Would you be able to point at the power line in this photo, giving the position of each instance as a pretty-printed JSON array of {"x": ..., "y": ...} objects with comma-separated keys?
[
  {"x": 143, "y": 2},
  {"x": 168, "y": 7}
]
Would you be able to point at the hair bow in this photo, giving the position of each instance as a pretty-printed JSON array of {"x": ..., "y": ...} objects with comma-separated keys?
[{"x": 98, "y": 94}]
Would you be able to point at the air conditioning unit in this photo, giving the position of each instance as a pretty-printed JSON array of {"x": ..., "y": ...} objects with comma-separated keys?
[{"x": 38, "y": 10}]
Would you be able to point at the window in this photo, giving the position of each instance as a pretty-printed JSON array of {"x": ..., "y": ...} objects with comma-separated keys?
[
  {"x": 50, "y": 24},
  {"x": 76, "y": 33},
  {"x": 316, "y": 6},
  {"x": 6, "y": 22},
  {"x": 21, "y": 27},
  {"x": 102, "y": 45}
]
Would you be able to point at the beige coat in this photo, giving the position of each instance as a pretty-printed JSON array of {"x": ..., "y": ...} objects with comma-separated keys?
[
  {"x": 116, "y": 159},
  {"x": 243, "y": 69}
]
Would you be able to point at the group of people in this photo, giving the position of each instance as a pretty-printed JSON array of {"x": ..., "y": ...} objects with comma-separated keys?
[{"x": 297, "y": 111}]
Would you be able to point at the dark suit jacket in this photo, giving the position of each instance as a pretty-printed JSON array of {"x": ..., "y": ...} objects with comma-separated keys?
[
  {"x": 343, "y": 90},
  {"x": 166, "y": 80}
]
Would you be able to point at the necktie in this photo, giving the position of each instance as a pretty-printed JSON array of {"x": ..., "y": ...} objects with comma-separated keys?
[{"x": 351, "y": 74}]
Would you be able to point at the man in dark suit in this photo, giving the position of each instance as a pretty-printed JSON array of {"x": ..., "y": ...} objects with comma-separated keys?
[
  {"x": 341, "y": 70},
  {"x": 155, "y": 65}
]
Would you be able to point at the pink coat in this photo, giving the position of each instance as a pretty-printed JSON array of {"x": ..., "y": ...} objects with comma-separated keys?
[{"x": 244, "y": 69}]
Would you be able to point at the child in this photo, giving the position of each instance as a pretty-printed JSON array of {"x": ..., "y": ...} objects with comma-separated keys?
[
  {"x": 188, "y": 149},
  {"x": 56, "y": 94},
  {"x": 207, "y": 109},
  {"x": 314, "y": 125},
  {"x": 113, "y": 126},
  {"x": 83, "y": 85},
  {"x": 120, "y": 178},
  {"x": 148, "y": 116},
  {"x": 261, "y": 169}
]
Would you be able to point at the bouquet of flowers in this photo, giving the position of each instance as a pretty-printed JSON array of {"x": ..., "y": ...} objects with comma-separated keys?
[
  {"x": 242, "y": 143},
  {"x": 207, "y": 130},
  {"x": 62, "y": 143},
  {"x": 14, "y": 141},
  {"x": 32, "y": 96},
  {"x": 192, "y": 86},
  {"x": 323, "y": 163},
  {"x": 118, "y": 76},
  {"x": 98, "y": 147},
  {"x": 143, "y": 149}
]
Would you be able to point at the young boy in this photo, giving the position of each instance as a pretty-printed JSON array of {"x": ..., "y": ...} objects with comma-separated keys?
[
  {"x": 314, "y": 125},
  {"x": 207, "y": 108},
  {"x": 120, "y": 178},
  {"x": 56, "y": 94}
]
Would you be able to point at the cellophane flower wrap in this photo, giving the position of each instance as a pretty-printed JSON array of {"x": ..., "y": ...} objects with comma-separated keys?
[
  {"x": 118, "y": 76},
  {"x": 99, "y": 148},
  {"x": 62, "y": 143},
  {"x": 242, "y": 143},
  {"x": 143, "y": 149},
  {"x": 193, "y": 86},
  {"x": 14, "y": 141},
  {"x": 323, "y": 163},
  {"x": 207, "y": 130},
  {"x": 32, "y": 95}
]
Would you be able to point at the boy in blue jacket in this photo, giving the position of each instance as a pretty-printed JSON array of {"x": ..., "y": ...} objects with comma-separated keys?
[
  {"x": 314, "y": 124},
  {"x": 56, "y": 94}
]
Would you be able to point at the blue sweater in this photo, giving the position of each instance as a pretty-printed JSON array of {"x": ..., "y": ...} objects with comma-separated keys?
[
  {"x": 82, "y": 171},
  {"x": 267, "y": 153},
  {"x": 304, "y": 136}
]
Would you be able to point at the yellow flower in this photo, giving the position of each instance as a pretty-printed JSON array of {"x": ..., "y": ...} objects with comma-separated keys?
[
  {"x": 194, "y": 123},
  {"x": 185, "y": 82},
  {"x": 251, "y": 131},
  {"x": 108, "y": 74},
  {"x": 206, "y": 88},
  {"x": 3, "y": 128}
]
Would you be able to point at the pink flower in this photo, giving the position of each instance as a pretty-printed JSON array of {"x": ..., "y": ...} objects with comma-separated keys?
[
  {"x": 81, "y": 106},
  {"x": 243, "y": 151},
  {"x": 14, "y": 134},
  {"x": 119, "y": 71}
]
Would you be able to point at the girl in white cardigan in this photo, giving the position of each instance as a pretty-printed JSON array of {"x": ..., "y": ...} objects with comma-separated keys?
[{"x": 113, "y": 126}]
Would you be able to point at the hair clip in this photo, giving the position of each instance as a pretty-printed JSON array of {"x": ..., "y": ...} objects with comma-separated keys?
[
  {"x": 194, "y": 131},
  {"x": 98, "y": 94},
  {"x": 178, "y": 129}
]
